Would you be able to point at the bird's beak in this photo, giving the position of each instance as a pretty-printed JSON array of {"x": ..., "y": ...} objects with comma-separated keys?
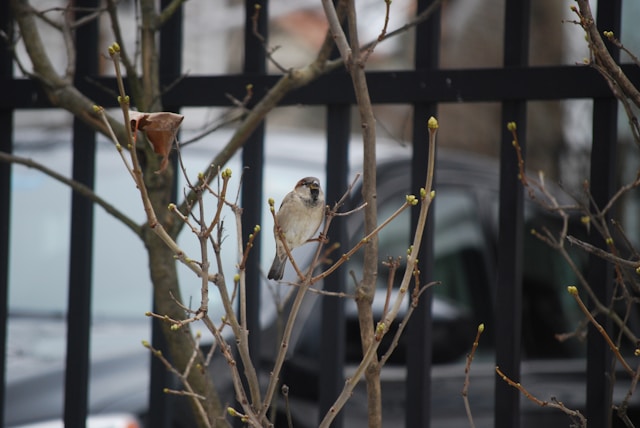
[{"x": 314, "y": 189}]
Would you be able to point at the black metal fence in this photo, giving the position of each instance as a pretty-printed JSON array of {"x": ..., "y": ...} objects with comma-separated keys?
[{"x": 424, "y": 88}]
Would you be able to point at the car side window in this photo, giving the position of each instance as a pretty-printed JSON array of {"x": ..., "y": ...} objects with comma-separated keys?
[
  {"x": 547, "y": 309},
  {"x": 459, "y": 245}
]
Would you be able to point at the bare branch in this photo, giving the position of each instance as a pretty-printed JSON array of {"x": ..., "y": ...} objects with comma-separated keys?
[
  {"x": 418, "y": 291},
  {"x": 574, "y": 293},
  {"x": 168, "y": 12},
  {"x": 602, "y": 253},
  {"x": 467, "y": 373},
  {"x": 574, "y": 414},
  {"x": 336, "y": 31},
  {"x": 60, "y": 91},
  {"x": 269, "y": 51},
  {"x": 601, "y": 54},
  {"x": 184, "y": 378},
  {"x": 134, "y": 82}
]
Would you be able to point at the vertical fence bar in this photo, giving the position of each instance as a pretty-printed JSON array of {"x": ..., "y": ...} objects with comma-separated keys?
[
  {"x": 508, "y": 316},
  {"x": 252, "y": 160},
  {"x": 419, "y": 327},
  {"x": 600, "y": 275},
  {"x": 333, "y": 318},
  {"x": 508, "y": 313},
  {"x": 81, "y": 251},
  {"x": 6, "y": 145},
  {"x": 161, "y": 405}
]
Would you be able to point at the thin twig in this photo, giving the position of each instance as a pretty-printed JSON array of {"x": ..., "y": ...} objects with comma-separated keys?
[
  {"x": 405, "y": 321},
  {"x": 166, "y": 13},
  {"x": 256, "y": 32},
  {"x": 184, "y": 378},
  {"x": 616, "y": 351},
  {"x": 574, "y": 414},
  {"x": 230, "y": 116},
  {"x": 241, "y": 395},
  {"x": 393, "y": 264},
  {"x": 467, "y": 374},
  {"x": 383, "y": 32},
  {"x": 603, "y": 254},
  {"x": 129, "y": 65},
  {"x": 345, "y": 257}
]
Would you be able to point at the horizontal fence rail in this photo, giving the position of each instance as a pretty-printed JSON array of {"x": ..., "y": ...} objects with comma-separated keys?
[
  {"x": 391, "y": 87},
  {"x": 423, "y": 88}
]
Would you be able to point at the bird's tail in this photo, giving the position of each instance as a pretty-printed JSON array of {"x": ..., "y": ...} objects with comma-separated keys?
[{"x": 277, "y": 268}]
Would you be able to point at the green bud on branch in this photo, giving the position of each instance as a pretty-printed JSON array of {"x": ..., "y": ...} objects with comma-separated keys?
[
  {"x": 411, "y": 200},
  {"x": 432, "y": 123},
  {"x": 380, "y": 328}
]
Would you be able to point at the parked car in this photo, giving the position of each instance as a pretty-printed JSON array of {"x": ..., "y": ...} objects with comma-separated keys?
[
  {"x": 466, "y": 232},
  {"x": 465, "y": 243}
]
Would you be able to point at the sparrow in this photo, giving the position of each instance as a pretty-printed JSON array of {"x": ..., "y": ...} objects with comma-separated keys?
[{"x": 299, "y": 217}]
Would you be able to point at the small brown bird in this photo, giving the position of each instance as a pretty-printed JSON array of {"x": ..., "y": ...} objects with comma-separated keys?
[{"x": 298, "y": 217}]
